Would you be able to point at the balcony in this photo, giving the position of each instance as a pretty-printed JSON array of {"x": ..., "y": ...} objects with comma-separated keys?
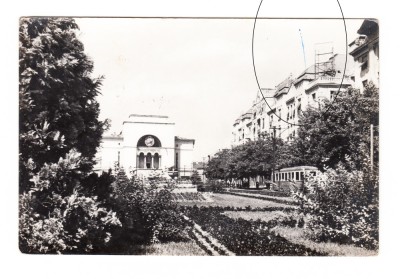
[{"x": 327, "y": 81}]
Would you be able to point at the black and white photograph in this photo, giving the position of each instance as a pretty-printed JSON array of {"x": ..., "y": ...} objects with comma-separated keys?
[
  {"x": 196, "y": 160},
  {"x": 159, "y": 135}
]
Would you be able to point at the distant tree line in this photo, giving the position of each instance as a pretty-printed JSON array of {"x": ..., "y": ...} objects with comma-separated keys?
[{"x": 333, "y": 133}]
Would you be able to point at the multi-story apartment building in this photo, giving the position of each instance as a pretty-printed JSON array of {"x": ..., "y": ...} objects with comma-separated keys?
[
  {"x": 279, "y": 112},
  {"x": 252, "y": 123},
  {"x": 365, "y": 51}
]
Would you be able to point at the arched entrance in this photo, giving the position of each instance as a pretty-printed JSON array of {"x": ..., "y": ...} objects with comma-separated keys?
[
  {"x": 141, "y": 161},
  {"x": 148, "y": 153},
  {"x": 149, "y": 161},
  {"x": 156, "y": 161}
]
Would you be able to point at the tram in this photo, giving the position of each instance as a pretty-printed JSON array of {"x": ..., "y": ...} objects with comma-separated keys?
[{"x": 292, "y": 177}]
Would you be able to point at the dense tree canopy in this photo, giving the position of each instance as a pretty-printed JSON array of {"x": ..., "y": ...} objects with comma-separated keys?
[
  {"x": 340, "y": 133},
  {"x": 248, "y": 160},
  {"x": 58, "y": 109},
  {"x": 59, "y": 134}
]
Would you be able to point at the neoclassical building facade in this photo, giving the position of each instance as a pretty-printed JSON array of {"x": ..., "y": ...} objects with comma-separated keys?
[{"x": 147, "y": 143}]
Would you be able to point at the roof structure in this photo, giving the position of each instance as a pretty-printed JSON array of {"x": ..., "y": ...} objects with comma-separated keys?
[
  {"x": 183, "y": 139},
  {"x": 284, "y": 86}
]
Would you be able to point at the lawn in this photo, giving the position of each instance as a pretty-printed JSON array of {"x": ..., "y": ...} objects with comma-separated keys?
[
  {"x": 297, "y": 235},
  {"x": 224, "y": 200}
]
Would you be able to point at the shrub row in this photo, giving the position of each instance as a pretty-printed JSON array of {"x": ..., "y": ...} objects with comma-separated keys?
[{"x": 245, "y": 237}]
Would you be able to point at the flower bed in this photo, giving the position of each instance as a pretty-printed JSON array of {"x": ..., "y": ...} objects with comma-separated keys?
[{"x": 244, "y": 237}]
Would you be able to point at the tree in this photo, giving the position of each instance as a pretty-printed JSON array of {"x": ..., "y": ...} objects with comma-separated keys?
[
  {"x": 248, "y": 160},
  {"x": 217, "y": 166},
  {"x": 59, "y": 134},
  {"x": 58, "y": 109},
  {"x": 327, "y": 136}
]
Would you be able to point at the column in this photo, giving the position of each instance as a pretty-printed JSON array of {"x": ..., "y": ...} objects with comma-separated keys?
[{"x": 152, "y": 162}]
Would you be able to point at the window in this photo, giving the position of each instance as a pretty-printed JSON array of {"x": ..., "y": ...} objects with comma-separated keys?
[
  {"x": 364, "y": 62},
  {"x": 263, "y": 121},
  {"x": 364, "y": 66},
  {"x": 314, "y": 96},
  {"x": 365, "y": 83},
  {"x": 297, "y": 175}
]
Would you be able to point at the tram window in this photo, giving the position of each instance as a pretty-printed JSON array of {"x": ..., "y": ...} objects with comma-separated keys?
[
  {"x": 286, "y": 178},
  {"x": 297, "y": 175},
  {"x": 301, "y": 175},
  {"x": 312, "y": 173}
]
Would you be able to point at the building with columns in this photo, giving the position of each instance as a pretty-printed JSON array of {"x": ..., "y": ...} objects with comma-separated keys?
[{"x": 147, "y": 143}]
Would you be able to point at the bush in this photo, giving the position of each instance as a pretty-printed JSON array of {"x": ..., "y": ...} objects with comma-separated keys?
[
  {"x": 196, "y": 179},
  {"x": 55, "y": 217},
  {"x": 342, "y": 206},
  {"x": 148, "y": 212}
]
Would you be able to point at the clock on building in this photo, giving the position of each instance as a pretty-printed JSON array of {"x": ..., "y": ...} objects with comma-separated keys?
[{"x": 149, "y": 141}]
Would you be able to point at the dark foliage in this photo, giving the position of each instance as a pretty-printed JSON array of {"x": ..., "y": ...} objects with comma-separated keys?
[
  {"x": 58, "y": 107},
  {"x": 148, "y": 212},
  {"x": 327, "y": 137},
  {"x": 244, "y": 237}
]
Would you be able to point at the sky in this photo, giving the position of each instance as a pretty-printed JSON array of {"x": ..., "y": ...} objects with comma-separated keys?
[{"x": 199, "y": 72}]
